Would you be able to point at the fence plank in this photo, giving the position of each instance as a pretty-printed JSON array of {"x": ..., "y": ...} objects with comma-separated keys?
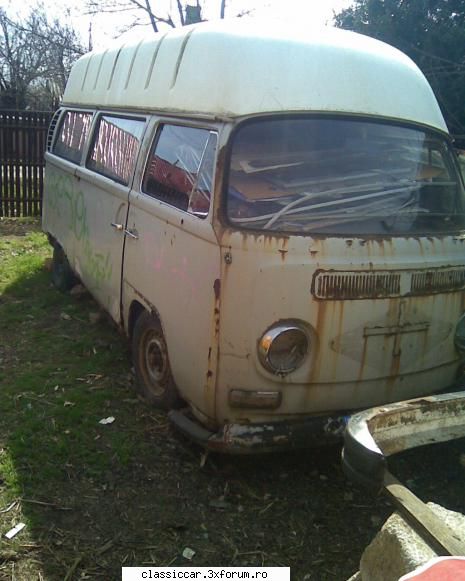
[{"x": 23, "y": 136}]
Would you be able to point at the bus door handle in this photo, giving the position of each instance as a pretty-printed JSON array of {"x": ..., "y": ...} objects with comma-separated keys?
[
  {"x": 116, "y": 226},
  {"x": 132, "y": 234}
]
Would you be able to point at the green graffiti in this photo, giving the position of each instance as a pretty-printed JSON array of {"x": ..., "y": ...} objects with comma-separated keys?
[
  {"x": 59, "y": 188},
  {"x": 60, "y": 193},
  {"x": 78, "y": 217},
  {"x": 97, "y": 265}
]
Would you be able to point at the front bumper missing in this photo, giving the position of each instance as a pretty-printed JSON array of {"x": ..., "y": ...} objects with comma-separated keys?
[
  {"x": 373, "y": 435},
  {"x": 266, "y": 437}
]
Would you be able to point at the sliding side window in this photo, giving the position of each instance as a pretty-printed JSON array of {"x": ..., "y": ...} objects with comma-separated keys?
[
  {"x": 180, "y": 168},
  {"x": 72, "y": 135},
  {"x": 115, "y": 146}
]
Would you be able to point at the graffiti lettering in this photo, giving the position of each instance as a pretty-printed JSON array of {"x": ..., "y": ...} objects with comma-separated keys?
[
  {"x": 64, "y": 198},
  {"x": 59, "y": 187}
]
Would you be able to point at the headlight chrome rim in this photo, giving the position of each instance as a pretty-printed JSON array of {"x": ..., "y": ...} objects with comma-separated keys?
[{"x": 275, "y": 338}]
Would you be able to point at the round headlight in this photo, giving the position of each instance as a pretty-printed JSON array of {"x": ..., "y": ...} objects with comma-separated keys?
[
  {"x": 283, "y": 348},
  {"x": 459, "y": 338}
]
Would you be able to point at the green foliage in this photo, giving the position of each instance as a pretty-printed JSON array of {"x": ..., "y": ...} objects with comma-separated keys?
[{"x": 432, "y": 33}]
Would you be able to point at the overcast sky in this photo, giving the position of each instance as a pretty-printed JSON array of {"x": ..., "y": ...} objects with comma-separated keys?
[{"x": 315, "y": 12}]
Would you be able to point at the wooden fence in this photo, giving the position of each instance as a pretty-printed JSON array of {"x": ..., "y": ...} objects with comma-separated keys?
[{"x": 23, "y": 137}]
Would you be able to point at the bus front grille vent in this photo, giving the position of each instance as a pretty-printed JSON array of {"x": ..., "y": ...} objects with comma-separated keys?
[
  {"x": 356, "y": 285},
  {"x": 338, "y": 285},
  {"x": 433, "y": 281}
]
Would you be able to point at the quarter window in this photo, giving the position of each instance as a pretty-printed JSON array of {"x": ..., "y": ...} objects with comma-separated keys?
[
  {"x": 72, "y": 135},
  {"x": 180, "y": 168},
  {"x": 115, "y": 146}
]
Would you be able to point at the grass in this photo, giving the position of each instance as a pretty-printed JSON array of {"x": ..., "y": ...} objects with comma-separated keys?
[
  {"x": 62, "y": 355},
  {"x": 95, "y": 497},
  {"x": 59, "y": 375}
]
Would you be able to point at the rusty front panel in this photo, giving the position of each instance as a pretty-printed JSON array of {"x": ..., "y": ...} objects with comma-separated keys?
[
  {"x": 386, "y": 344},
  {"x": 397, "y": 336}
]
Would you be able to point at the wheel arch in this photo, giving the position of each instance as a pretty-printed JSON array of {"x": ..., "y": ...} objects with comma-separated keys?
[
  {"x": 135, "y": 310},
  {"x": 154, "y": 378},
  {"x": 63, "y": 276},
  {"x": 52, "y": 240}
]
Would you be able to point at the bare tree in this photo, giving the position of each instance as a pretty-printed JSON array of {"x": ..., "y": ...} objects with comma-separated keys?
[
  {"x": 143, "y": 12},
  {"x": 147, "y": 12},
  {"x": 35, "y": 59},
  {"x": 181, "y": 12}
]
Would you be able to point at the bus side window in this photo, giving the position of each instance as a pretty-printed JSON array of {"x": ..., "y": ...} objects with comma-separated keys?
[
  {"x": 180, "y": 167},
  {"x": 72, "y": 135},
  {"x": 115, "y": 146}
]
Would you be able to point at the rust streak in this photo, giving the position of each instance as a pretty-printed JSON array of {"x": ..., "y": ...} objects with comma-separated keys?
[
  {"x": 217, "y": 289},
  {"x": 319, "y": 328},
  {"x": 363, "y": 359},
  {"x": 396, "y": 357}
]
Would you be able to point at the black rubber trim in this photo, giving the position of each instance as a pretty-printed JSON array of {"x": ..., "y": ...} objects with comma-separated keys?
[
  {"x": 362, "y": 466},
  {"x": 190, "y": 428}
]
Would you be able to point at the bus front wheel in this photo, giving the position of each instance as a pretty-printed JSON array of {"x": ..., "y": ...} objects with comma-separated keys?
[{"x": 155, "y": 382}]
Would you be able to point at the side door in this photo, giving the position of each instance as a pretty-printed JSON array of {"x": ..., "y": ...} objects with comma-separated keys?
[
  {"x": 172, "y": 259},
  {"x": 100, "y": 205}
]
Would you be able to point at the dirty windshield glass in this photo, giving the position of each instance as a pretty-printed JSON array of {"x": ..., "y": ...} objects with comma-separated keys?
[{"x": 336, "y": 176}]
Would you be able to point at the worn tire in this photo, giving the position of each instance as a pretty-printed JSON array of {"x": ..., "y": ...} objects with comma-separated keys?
[
  {"x": 63, "y": 277},
  {"x": 155, "y": 382}
]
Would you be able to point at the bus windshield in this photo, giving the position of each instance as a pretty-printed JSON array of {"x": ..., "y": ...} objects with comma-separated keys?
[{"x": 346, "y": 177}]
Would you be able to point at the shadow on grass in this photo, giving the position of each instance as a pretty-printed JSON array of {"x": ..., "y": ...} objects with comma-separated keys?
[{"x": 96, "y": 497}]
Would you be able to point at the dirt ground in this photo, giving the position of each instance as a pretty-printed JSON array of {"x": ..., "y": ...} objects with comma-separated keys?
[
  {"x": 294, "y": 510},
  {"x": 147, "y": 505}
]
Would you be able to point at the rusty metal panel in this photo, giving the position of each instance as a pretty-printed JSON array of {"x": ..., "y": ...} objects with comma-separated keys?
[
  {"x": 355, "y": 285},
  {"x": 378, "y": 284},
  {"x": 363, "y": 352},
  {"x": 175, "y": 265},
  {"x": 439, "y": 280}
]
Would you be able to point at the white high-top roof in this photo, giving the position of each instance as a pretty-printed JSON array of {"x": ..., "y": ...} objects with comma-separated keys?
[{"x": 237, "y": 68}]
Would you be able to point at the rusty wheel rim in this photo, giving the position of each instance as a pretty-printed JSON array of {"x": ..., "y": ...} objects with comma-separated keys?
[{"x": 155, "y": 362}]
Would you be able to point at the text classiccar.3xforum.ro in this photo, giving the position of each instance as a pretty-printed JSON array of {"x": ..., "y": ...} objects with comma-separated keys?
[{"x": 210, "y": 574}]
